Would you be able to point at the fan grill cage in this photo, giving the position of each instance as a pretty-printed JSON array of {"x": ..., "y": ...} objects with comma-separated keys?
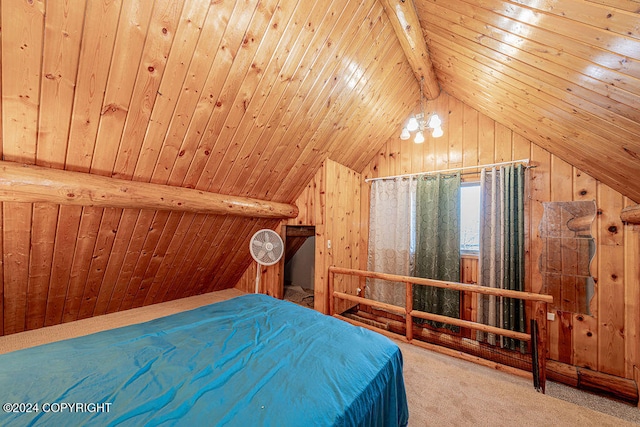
[{"x": 266, "y": 247}]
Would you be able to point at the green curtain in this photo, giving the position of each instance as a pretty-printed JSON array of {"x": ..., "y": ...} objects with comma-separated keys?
[
  {"x": 437, "y": 254},
  {"x": 513, "y": 309}
]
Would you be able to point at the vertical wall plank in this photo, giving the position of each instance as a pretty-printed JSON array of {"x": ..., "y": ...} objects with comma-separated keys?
[
  {"x": 365, "y": 194},
  {"x": 585, "y": 327},
  {"x": 330, "y": 242},
  {"x": 486, "y": 140},
  {"x": 455, "y": 133},
  {"x": 441, "y": 150},
  {"x": 540, "y": 185},
  {"x": 503, "y": 144},
  {"x": 610, "y": 283},
  {"x": 405, "y": 156},
  {"x": 632, "y": 300},
  {"x": 470, "y": 137},
  {"x": 562, "y": 171}
]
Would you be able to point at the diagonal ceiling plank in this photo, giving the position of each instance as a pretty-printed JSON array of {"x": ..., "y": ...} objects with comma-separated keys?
[{"x": 404, "y": 19}]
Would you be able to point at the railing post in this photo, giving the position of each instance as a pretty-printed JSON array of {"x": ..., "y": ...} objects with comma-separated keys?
[
  {"x": 330, "y": 290},
  {"x": 408, "y": 309},
  {"x": 540, "y": 316},
  {"x": 539, "y": 310}
]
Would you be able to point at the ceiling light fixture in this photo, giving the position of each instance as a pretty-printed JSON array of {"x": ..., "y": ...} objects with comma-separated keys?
[{"x": 420, "y": 123}]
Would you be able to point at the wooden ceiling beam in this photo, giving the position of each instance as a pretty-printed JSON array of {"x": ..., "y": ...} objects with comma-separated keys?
[
  {"x": 31, "y": 184},
  {"x": 405, "y": 22}
]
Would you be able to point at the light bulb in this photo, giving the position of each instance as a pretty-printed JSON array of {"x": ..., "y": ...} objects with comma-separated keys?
[
  {"x": 419, "y": 138},
  {"x": 435, "y": 122},
  {"x": 437, "y": 132},
  {"x": 405, "y": 134},
  {"x": 412, "y": 125}
]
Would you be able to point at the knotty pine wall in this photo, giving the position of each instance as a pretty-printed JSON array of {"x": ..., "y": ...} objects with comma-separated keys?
[
  {"x": 609, "y": 340},
  {"x": 331, "y": 203}
]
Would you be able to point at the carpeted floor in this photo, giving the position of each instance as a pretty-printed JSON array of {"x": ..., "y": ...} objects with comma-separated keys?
[
  {"x": 299, "y": 295},
  {"x": 445, "y": 391},
  {"x": 442, "y": 391}
]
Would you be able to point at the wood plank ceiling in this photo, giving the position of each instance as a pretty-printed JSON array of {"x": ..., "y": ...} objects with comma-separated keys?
[
  {"x": 563, "y": 73},
  {"x": 247, "y": 98},
  {"x": 238, "y": 97}
]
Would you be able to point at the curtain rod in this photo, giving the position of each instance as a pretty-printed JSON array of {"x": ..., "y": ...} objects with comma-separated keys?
[{"x": 448, "y": 170}]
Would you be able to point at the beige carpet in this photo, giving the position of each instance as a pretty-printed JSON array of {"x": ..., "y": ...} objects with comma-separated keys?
[
  {"x": 445, "y": 391},
  {"x": 442, "y": 391},
  {"x": 299, "y": 295}
]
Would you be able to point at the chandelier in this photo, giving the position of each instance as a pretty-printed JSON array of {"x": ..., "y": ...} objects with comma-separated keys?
[{"x": 421, "y": 123}]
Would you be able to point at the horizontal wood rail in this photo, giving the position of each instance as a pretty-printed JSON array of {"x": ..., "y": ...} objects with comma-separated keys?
[
  {"x": 540, "y": 302},
  {"x": 631, "y": 214},
  {"x": 527, "y": 296},
  {"x": 369, "y": 302}
]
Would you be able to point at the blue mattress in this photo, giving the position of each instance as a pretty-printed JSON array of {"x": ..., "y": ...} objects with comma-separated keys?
[{"x": 249, "y": 361}]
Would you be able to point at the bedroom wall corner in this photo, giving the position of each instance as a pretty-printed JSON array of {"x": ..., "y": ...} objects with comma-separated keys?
[
  {"x": 330, "y": 202},
  {"x": 606, "y": 341}
]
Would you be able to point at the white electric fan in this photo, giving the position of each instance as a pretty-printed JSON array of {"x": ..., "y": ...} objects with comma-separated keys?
[{"x": 266, "y": 248}]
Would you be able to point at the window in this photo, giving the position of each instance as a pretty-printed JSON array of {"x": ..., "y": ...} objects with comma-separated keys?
[{"x": 470, "y": 218}]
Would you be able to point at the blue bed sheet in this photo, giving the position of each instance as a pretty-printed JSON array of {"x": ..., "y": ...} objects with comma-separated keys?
[{"x": 249, "y": 361}]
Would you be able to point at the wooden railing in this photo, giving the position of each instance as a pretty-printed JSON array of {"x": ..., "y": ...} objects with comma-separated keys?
[{"x": 539, "y": 313}]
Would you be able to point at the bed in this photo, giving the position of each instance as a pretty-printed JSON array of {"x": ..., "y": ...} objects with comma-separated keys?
[{"x": 249, "y": 361}]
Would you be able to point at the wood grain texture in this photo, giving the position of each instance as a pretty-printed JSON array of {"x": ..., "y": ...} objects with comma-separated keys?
[
  {"x": 33, "y": 184},
  {"x": 603, "y": 341},
  {"x": 631, "y": 214},
  {"x": 548, "y": 69},
  {"x": 406, "y": 24}
]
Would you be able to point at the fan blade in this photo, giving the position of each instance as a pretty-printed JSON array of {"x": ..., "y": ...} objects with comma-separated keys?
[
  {"x": 266, "y": 237},
  {"x": 261, "y": 254}
]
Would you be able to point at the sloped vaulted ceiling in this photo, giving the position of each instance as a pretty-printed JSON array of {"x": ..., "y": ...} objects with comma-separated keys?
[
  {"x": 242, "y": 97},
  {"x": 563, "y": 73}
]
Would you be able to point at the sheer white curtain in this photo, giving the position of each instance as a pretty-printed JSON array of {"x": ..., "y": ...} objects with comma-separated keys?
[{"x": 391, "y": 237}]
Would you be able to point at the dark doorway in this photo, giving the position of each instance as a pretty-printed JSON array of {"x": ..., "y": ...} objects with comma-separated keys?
[{"x": 299, "y": 268}]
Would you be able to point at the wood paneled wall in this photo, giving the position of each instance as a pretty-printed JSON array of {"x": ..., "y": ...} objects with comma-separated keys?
[
  {"x": 331, "y": 203},
  {"x": 607, "y": 341}
]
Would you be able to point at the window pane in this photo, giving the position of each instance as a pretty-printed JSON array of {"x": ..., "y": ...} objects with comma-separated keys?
[{"x": 470, "y": 217}]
